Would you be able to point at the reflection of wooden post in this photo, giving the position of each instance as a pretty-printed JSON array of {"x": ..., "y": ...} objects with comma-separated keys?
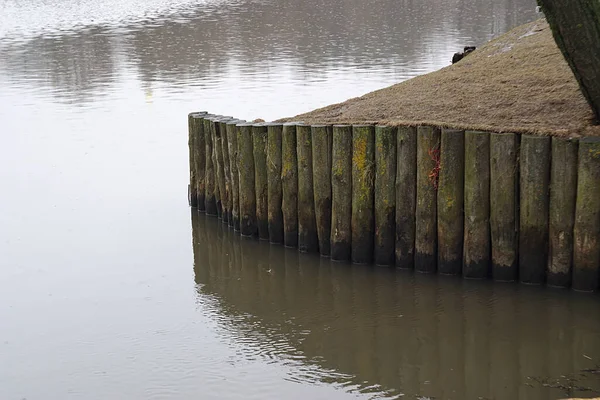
[
  {"x": 406, "y": 196},
  {"x": 246, "y": 178},
  {"x": 563, "y": 192},
  {"x": 341, "y": 190},
  {"x": 533, "y": 232},
  {"x": 363, "y": 171},
  {"x": 210, "y": 181},
  {"x": 259, "y": 138},
  {"x": 450, "y": 202},
  {"x": 503, "y": 205},
  {"x": 385, "y": 194},
  {"x": 233, "y": 168},
  {"x": 586, "y": 256},
  {"x": 274, "y": 178},
  {"x": 428, "y": 146},
  {"x": 307, "y": 229},
  {"x": 477, "y": 245},
  {"x": 289, "y": 184},
  {"x": 321, "y": 163}
]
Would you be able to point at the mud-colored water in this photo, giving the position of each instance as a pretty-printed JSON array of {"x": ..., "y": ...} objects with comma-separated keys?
[{"x": 103, "y": 296}]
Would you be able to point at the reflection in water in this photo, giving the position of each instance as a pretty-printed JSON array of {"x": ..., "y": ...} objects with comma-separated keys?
[
  {"x": 388, "y": 332},
  {"x": 80, "y": 55}
]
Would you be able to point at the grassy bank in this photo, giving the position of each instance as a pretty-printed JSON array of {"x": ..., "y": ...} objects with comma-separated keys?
[{"x": 518, "y": 82}]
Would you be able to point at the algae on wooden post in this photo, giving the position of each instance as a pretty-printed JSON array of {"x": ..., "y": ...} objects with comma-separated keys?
[
  {"x": 563, "y": 192},
  {"x": 259, "y": 137},
  {"x": 289, "y": 184},
  {"x": 235, "y": 179},
  {"x": 450, "y": 202},
  {"x": 586, "y": 254},
  {"x": 307, "y": 225},
  {"x": 503, "y": 205},
  {"x": 199, "y": 160},
  {"x": 428, "y": 147},
  {"x": 227, "y": 173},
  {"x": 321, "y": 160},
  {"x": 363, "y": 177},
  {"x": 218, "y": 163},
  {"x": 274, "y": 177},
  {"x": 210, "y": 197},
  {"x": 341, "y": 193},
  {"x": 406, "y": 196},
  {"x": 245, "y": 160},
  {"x": 534, "y": 201},
  {"x": 477, "y": 240},
  {"x": 385, "y": 194}
]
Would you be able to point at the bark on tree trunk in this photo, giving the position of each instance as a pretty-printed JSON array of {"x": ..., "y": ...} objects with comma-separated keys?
[{"x": 575, "y": 25}]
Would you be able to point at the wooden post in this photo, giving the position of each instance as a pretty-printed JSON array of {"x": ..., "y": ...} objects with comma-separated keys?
[
  {"x": 341, "y": 193},
  {"x": 428, "y": 147},
  {"x": 245, "y": 160},
  {"x": 363, "y": 176},
  {"x": 199, "y": 160},
  {"x": 226, "y": 199},
  {"x": 307, "y": 226},
  {"x": 218, "y": 162},
  {"x": 385, "y": 194},
  {"x": 563, "y": 192},
  {"x": 477, "y": 239},
  {"x": 406, "y": 196},
  {"x": 289, "y": 185},
  {"x": 259, "y": 137},
  {"x": 321, "y": 163},
  {"x": 586, "y": 255},
  {"x": 534, "y": 201},
  {"x": 450, "y": 202},
  {"x": 192, "y": 138},
  {"x": 504, "y": 215},
  {"x": 233, "y": 167},
  {"x": 274, "y": 178},
  {"x": 210, "y": 181}
]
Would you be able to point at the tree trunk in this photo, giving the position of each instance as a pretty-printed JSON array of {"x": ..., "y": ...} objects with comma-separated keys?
[{"x": 575, "y": 25}]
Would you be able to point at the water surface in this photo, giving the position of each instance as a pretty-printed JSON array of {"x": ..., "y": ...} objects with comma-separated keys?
[{"x": 103, "y": 295}]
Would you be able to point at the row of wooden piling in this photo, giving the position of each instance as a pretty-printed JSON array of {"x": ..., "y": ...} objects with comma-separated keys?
[{"x": 478, "y": 204}]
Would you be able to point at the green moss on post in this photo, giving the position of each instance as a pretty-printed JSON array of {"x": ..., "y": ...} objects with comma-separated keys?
[
  {"x": 406, "y": 196},
  {"x": 341, "y": 193},
  {"x": 259, "y": 137},
  {"x": 385, "y": 194},
  {"x": 274, "y": 177},
  {"x": 235, "y": 179},
  {"x": 450, "y": 202},
  {"x": 307, "y": 226},
  {"x": 289, "y": 183},
  {"x": 428, "y": 146},
  {"x": 534, "y": 203},
  {"x": 563, "y": 191},
  {"x": 363, "y": 177},
  {"x": 503, "y": 205},
  {"x": 477, "y": 239},
  {"x": 245, "y": 160},
  {"x": 199, "y": 160},
  {"x": 210, "y": 181},
  {"x": 586, "y": 255},
  {"x": 321, "y": 160}
]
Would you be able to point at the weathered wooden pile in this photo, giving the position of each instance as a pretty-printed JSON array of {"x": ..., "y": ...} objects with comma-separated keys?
[{"x": 481, "y": 204}]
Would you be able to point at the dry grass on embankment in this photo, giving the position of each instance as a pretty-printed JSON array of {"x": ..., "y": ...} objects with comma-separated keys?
[{"x": 518, "y": 82}]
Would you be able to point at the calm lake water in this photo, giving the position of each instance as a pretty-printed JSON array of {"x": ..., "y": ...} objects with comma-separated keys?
[{"x": 111, "y": 289}]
